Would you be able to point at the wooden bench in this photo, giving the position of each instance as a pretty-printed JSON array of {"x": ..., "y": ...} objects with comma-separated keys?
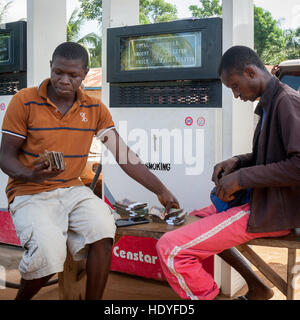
[
  {"x": 292, "y": 243},
  {"x": 72, "y": 280}
]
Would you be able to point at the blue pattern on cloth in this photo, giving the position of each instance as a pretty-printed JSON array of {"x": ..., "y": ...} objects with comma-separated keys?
[{"x": 240, "y": 197}]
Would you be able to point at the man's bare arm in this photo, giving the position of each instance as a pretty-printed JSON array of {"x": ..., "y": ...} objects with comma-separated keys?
[
  {"x": 132, "y": 165},
  {"x": 9, "y": 163}
]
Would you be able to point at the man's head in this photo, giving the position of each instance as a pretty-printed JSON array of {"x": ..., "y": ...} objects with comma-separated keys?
[
  {"x": 69, "y": 66},
  {"x": 243, "y": 72}
]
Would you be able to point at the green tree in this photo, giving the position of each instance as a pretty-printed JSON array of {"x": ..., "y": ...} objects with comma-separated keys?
[
  {"x": 151, "y": 11},
  {"x": 292, "y": 47},
  {"x": 91, "y": 41},
  {"x": 94, "y": 44},
  {"x": 4, "y": 9},
  {"x": 208, "y": 8},
  {"x": 270, "y": 41},
  {"x": 91, "y": 9},
  {"x": 74, "y": 25},
  {"x": 154, "y": 11}
]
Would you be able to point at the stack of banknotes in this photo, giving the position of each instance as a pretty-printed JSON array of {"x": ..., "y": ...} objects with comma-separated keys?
[
  {"x": 55, "y": 159},
  {"x": 127, "y": 208},
  {"x": 175, "y": 217}
]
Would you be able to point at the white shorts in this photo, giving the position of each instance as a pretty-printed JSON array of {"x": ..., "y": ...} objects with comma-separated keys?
[{"x": 46, "y": 223}]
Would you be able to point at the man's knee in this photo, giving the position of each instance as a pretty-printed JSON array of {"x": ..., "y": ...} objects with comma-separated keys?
[{"x": 102, "y": 222}]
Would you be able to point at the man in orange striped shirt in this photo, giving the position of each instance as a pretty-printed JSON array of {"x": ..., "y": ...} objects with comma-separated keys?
[{"x": 50, "y": 208}]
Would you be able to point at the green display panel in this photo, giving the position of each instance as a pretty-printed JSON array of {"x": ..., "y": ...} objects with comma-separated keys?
[
  {"x": 171, "y": 50},
  {"x": 5, "y": 47}
]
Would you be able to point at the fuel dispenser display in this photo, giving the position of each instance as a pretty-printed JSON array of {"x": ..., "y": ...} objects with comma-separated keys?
[{"x": 166, "y": 100}]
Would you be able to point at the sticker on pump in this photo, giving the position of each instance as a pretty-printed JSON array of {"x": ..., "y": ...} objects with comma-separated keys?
[
  {"x": 201, "y": 121},
  {"x": 2, "y": 106},
  {"x": 188, "y": 121}
]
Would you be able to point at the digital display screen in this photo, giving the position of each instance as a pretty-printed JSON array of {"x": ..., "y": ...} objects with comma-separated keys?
[
  {"x": 5, "y": 47},
  {"x": 175, "y": 50}
]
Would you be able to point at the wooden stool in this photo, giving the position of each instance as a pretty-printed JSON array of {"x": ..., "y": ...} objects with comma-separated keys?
[
  {"x": 292, "y": 243},
  {"x": 72, "y": 280}
]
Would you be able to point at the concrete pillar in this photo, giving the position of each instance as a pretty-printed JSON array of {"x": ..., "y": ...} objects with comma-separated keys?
[
  {"x": 238, "y": 29},
  {"x": 115, "y": 13},
  {"x": 46, "y": 28}
]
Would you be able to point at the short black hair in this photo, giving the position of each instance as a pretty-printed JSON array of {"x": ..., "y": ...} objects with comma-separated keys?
[
  {"x": 237, "y": 58},
  {"x": 72, "y": 51}
]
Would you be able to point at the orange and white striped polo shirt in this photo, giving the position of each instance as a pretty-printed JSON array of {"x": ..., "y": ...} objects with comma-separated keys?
[{"x": 32, "y": 116}]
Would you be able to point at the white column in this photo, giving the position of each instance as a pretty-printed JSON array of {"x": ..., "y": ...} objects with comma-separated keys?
[
  {"x": 46, "y": 28},
  {"x": 238, "y": 29},
  {"x": 115, "y": 13}
]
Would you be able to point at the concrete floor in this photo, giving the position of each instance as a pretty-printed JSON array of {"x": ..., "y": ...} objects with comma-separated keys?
[{"x": 125, "y": 287}]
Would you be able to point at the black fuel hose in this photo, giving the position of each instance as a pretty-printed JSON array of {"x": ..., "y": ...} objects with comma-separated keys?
[{"x": 96, "y": 176}]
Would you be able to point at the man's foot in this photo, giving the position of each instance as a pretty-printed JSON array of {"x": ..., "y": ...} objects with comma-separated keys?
[{"x": 264, "y": 293}]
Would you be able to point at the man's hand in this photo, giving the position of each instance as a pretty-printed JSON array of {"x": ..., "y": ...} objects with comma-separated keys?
[
  {"x": 168, "y": 200},
  {"x": 224, "y": 168},
  {"x": 227, "y": 186},
  {"x": 41, "y": 173},
  {"x": 10, "y": 164}
]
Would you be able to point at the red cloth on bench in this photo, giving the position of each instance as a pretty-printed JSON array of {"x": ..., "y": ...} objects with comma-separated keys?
[{"x": 7, "y": 230}]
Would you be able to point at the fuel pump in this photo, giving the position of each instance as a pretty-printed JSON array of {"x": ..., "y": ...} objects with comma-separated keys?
[
  {"x": 166, "y": 100},
  {"x": 13, "y": 75}
]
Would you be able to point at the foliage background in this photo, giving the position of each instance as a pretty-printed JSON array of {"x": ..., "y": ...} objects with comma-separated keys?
[{"x": 273, "y": 43}]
